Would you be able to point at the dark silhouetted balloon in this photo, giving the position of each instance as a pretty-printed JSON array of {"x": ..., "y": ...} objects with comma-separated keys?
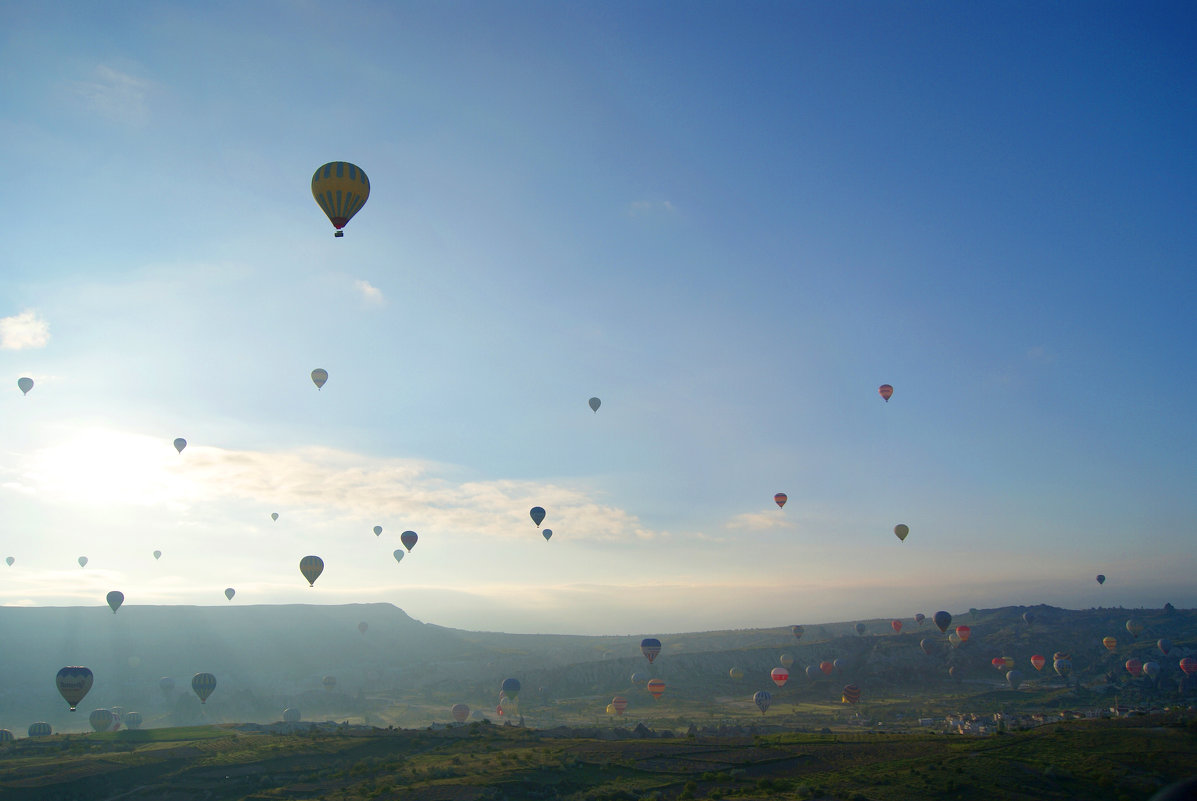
[
  {"x": 319, "y": 377},
  {"x": 942, "y": 620},
  {"x": 650, "y": 647},
  {"x": 24, "y": 384},
  {"x": 537, "y": 515},
  {"x": 594, "y": 404},
  {"x": 311, "y": 567},
  {"x": 762, "y": 699},
  {"x": 886, "y": 392},
  {"x": 180, "y": 444},
  {"x": 73, "y": 683},
  {"x": 409, "y": 539},
  {"x": 115, "y": 599}
]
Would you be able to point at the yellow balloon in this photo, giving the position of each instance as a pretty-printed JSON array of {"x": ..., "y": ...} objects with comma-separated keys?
[{"x": 341, "y": 189}]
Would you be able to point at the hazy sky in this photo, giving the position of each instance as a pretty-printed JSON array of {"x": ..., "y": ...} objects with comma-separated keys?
[{"x": 731, "y": 221}]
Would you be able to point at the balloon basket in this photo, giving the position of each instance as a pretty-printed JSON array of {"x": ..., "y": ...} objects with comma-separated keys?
[{"x": 339, "y": 234}]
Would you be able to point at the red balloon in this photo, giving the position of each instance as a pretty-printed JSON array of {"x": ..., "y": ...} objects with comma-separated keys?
[
  {"x": 1134, "y": 667},
  {"x": 963, "y": 633},
  {"x": 1188, "y": 665},
  {"x": 897, "y": 625},
  {"x": 1038, "y": 661},
  {"x": 826, "y": 667},
  {"x": 780, "y": 676},
  {"x": 886, "y": 391}
]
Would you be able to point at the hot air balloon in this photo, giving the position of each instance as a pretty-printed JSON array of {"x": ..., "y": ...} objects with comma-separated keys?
[
  {"x": 363, "y": 626},
  {"x": 115, "y": 599},
  {"x": 1008, "y": 661},
  {"x": 8, "y": 560},
  {"x": 40, "y": 729},
  {"x": 510, "y": 688},
  {"x": 398, "y": 554},
  {"x": 319, "y": 376},
  {"x": 180, "y": 444},
  {"x": 886, "y": 391},
  {"x": 460, "y": 712},
  {"x": 963, "y": 632},
  {"x": 100, "y": 719},
  {"x": 1014, "y": 678},
  {"x": 1029, "y": 617},
  {"x": 594, "y": 404},
  {"x": 1188, "y": 665},
  {"x": 378, "y": 531},
  {"x": 157, "y": 555},
  {"x": 132, "y": 720},
  {"x": 925, "y": 644},
  {"x": 650, "y": 647},
  {"x": 954, "y": 639},
  {"x": 780, "y": 499},
  {"x": 1101, "y": 579},
  {"x": 311, "y": 567},
  {"x": 919, "y": 618},
  {"x": 1134, "y": 667},
  {"x": 896, "y": 625},
  {"x": 82, "y": 560},
  {"x": 291, "y": 715},
  {"x": 620, "y": 703},
  {"x": 826, "y": 667},
  {"x": 1152, "y": 669},
  {"x": 24, "y": 384},
  {"x": 851, "y": 694},
  {"x": 73, "y": 683},
  {"x": 639, "y": 678},
  {"x": 166, "y": 683},
  {"x": 656, "y": 687},
  {"x": 780, "y": 676},
  {"x": 736, "y": 673},
  {"x": 274, "y": 516},
  {"x": 942, "y": 620},
  {"x": 1110, "y": 643},
  {"x": 610, "y": 709},
  {"x": 901, "y": 530},
  {"x": 1038, "y": 661},
  {"x": 203, "y": 684},
  {"x": 953, "y": 674},
  {"x": 329, "y": 682},
  {"x": 537, "y": 515},
  {"x": 812, "y": 672},
  {"x": 547, "y": 532},
  {"x": 1062, "y": 667},
  {"x": 998, "y": 662},
  {"x": 229, "y": 592},
  {"x": 1135, "y": 627},
  {"x": 1165, "y": 645},
  {"x": 762, "y": 700},
  {"x": 341, "y": 189},
  {"x": 409, "y": 538},
  {"x": 786, "y": 660},
  {"x": 860, "y": 628},
  {"x": 798, "y": 631}
]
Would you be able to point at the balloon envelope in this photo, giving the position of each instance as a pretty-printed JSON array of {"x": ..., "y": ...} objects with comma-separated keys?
[
  {"x": 886, "y": 391},
  {"x": 399, "y": 553},
  {"x": 1134, "y": 667},
  {"x": 780, "y": 499},
  {"x": 656, "y": 687},
  {"x": 1188, "y": 665},
  {"x": 798, "y": 631},
  {"x": 1110, "y": 643},
  {"x": 925, "y": 644},
  {"x": 341, "y": 189},
  {"x": 826, "y": 667},
  {"x": 319, "y": 377},
  {"x": 132, "y": 720},
  {"x": 1165, "y": 645},
  {"x": 594, "y": 404},
  {"x": 40, "y": 729},
  {"x": 229, "y": 592},
  {"x": 73, "y": 683},
  {"x": 157, "y": 554},
  {"x": 736, "y": 673},
  {"x": 1062, "y": 667},
  {"x": 100, "y": 719},
  {"x": 115, "y": 599},
  {"x": 274, "y": 515},
  {"x": 812, "y": 672},
  {"x": 1038, "y": 661},
  {"x": 762, "y": 699},
  {"x": 1014, "y": 678},
  {"x": 901, "y": 530},
  {"x": 537, "y": 515},
  {"x": 203, "y": 684},
  {"x": 329, "y": 682},
  {"x": 919, "y": 618},
  {"x": 650, "y": 647},
  {"x": 942, "y": 620},
  {"x": 780, "y": 676},
  {"x": 851, "y": 693},
  {"x": 460, "y": 712},
  {"x": 786, "y": 660},
  {"x": 9, "y": 560},
  {"x": 1135, "y": 627},
  {"x": 620, "y": 703},
  {"x": 548, "y": 532},
  {"x": 311, "y": 567},
  {"x": 1152, "y": 669},
  {"x": 378, "y": 531},
  {"x": 896, "y": 625},
  {"x": 964, "y": 632},
  {"x": 409, "y": 538},
  {"x": 860, "y": 628},
  {"x": 1101, "y": 579},
  {"x": 24, "y": 384},
  {"x": 82, "y": 560},
  {"x": 510, "y": 688},
  {"x": 180, "y": 444}
]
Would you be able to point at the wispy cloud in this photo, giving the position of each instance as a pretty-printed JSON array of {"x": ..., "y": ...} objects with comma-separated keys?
[
  {"x": 24, "y": 330},
  {"x": 116, "y": 95},
  {"x": 760, "y": 521},
  {"x": 1040, "y": 355},
  {"x": 371, "y": 295},
  {"x": 651, "y": 208}
]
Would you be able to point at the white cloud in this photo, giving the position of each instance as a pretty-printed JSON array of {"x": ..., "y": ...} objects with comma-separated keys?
[
  {"x": 116, "y": 95},
  {"x": 371, "y": 294},
  {"x": 760, "y": 521},
  {"x": 24, "y": 330}
]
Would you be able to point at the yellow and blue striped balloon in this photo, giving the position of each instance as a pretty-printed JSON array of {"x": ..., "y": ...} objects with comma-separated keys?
[
  {"x": 311, "y": 567},
  {"x": 203, "y": 684},
  {"x": 341, "y": 189}
]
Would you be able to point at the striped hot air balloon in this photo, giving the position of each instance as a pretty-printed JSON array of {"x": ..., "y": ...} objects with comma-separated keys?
[
  {"x": 886, "y": 392},
  {"x": 341, "y": 189},
  {"x": 851, "y": 694},
  {"x": 780, "y": 499},
  {"x": 311, "y": 567},
  {"x": 656, "y": 687},
  {"x": 1110, "y": 643},
  {"x": 620, "y": 703},
  {"x": 203, "y": 684},
  {"x": 650, "y": 647},
  {"x": 762, "y": 699},
  {"x": 780, "y": 676}
]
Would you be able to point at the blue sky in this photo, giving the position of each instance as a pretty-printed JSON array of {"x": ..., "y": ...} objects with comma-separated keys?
[{"x": 730, "y": 222}]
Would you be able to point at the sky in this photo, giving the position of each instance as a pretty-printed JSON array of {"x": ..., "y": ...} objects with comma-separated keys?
[{"x": 731, "y": 222}]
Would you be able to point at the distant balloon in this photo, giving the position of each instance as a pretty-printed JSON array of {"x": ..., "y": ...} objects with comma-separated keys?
[
  {"x": 203, "y": 684},
  {"x": 640, "y": 678},
  {"x": 786, "y": 660},
  {"x": 963, "y": 632},
  {"x": 901, "y": 530},
  {"x": 780, "y": 499},
  {"x": 954, "y": 639},
  {"x": 1152, "y": 669},
  {"x": 1014, "y": 678},
  {"x": 736, "y": 673},
  {"x": 378, "y": 531},
  {"x": 166, "y": 684},
  {"x": 1188, "y": 665},
  {"x": 1101, "y": 579},
  {"x": 798, "y": 631},
  {"x": 319, "y": 377},
  {"x": 594, "y": 404},
  {"x": 329, "y": 682},
  {"x": 9, "y": 560},
  {"x": 399, "y": 554},
  {"x": 1029, "y": 617},
  {"x": 274, "y": 515},
  {"x": 1135, "y": 627},
  {"x": 510, "y": 688},
  {"x": 942, "y": 620},
  {"x": 291, "y": 715},
  {"x": 1110, "y": 643},
  {"x": 851, "y": 694},
  {"x": 826, "y": 667},
  {"x": 919, "y": 618},
  {"x": 73, "y": 683},
  {"x": 409, "y": 538},
  {"x": 1062, "y": 667},
  {"x": 650, "y": 647},
  {"x": 952, "y": 673},
  {"x": 998, "y": 662},
  {"x": 537, "y": 515},
  {"x": 311, "y": 567},
  {"x": 82, "y": 560},
  {"x": 180, "y": 444},
  {"x": 40, "y": 729},
  {"x": 620, "y": 703},
  {"x": 115, "y": 599},
  {"x": 229, "y": 592},
  {"x": 886, "y": 392},
  {"x": 762, "y": 699},
  {"x": 1134, "y": 667},
  {"x": 363, "y": 626},
  {"x": 1164, "y": 644},
  {"x": 341, "y": 189},
  {"x": 548, "y": 532},
  {"x": 157, "y": 555},
  {"x": 925, "y": 645},
  {"x": 896, "y": 625},
  {"x": 24, "y": 384},
  {"x": 100, "y": 719},
  {"x": 812, "y": 672},
  {"x": 656, "y": 687},
  {"x": 780, "y": 676},
  {"x": 132, "y": 720},
  {"x": 860, "y": 628},
  {"x": 1038, "y": 661}
]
